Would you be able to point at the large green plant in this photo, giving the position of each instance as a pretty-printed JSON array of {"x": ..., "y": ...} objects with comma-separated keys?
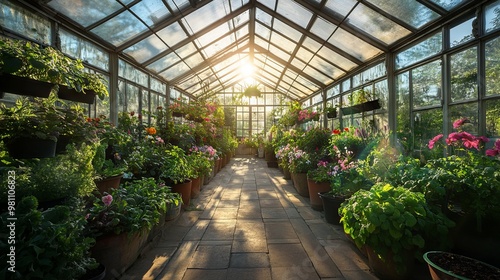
[
  {"x": 47, "y": 64},
  {"x": 49, "y": 244},
  {"x": 392, "y": 220}
]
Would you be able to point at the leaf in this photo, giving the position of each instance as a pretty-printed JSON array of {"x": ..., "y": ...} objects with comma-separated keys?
[{"x": 11, "y": 64}]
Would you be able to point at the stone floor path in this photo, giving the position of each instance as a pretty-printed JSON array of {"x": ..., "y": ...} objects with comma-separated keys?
[{"x": 250, "y": 223}]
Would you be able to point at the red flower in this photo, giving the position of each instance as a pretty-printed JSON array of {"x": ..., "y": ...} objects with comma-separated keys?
[
  {"x": 132, "y": 113},
  {"x": 336, "y": 131},
  {"x": 346, "y": 129},
  {"x": 434, "y": 140}
]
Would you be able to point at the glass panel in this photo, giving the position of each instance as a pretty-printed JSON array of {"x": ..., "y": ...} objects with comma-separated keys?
[
  {"x": 324, "y": 67},
  {"x": 421, "y": 51},
  {"x": 311, "y": 44},
  {"x": 336, "y": 59},
  {"x": 279, "y": 53},
  {"x": 122, "y": 97},
  {"x": 132, "y": 98},
  {"x": 427, "y": 124},
  {"x": 449, "y": 4},
  {"x": 120, "y": 28},
  {"x": 151, "y": 11},
  {"x": 294, "y": 12},
  {"x": 286, "y": 29},
  {"x": 283, "y": 42},
  {"x": 163, "y": 62},
  {"x": 323, "y": 28},
  {"x": 464, "y": 75},
  {"x": 409, "y": 11},
  {"x": 317, "y": 75},
  {"x": 353, "y": 45},
  {"x": 212, "y": 35},
  {"x": 403, "y": 125},
  {"x": 333, "y": 91},
  {"x": 24, "y": 22},
  {"x": 194, "y": 60},
  {"x": 77, "y": 47},
  {"x": 346, "y": 85},
  {"x": 340, "y": 7},
  {"x": 492, "y": 16},
  {"x": 382, "y": 93},
  {"x": 271, "y": 4},
  {"x": 492, "y": 119},
  {"x": 87, "y": 12},
  {"x": 492, "y": 66},
  {"x": 158, "y": 86},
  {"x": 468, "y": 111},
  {"x": 461, "y": 33},
  {"x": 426, "y": 85},
  {"x": 145, "y": 101},
  {"x": 174, "y": 71},
  {"x": 204, "y": 16},
  {"x": 376, "y": 25},
  {"x": 178, "y": 5}
]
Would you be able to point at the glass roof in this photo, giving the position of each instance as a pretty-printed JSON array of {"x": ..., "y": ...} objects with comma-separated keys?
[{"x": 294, "y": 47}]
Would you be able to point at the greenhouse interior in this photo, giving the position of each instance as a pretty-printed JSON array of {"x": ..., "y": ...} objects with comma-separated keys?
[{"x": 250, "y": 139}]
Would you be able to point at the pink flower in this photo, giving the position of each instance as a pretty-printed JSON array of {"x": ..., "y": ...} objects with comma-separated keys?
[
  {"x": 492, "y": 152},
  {"x": 107, "y": 199},
  {"x": 458, "y": 123},
  {"x": 497, "y": 145},
  {"x": 434, "y": 140}
]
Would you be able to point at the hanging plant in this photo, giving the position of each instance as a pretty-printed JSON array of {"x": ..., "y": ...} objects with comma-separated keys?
[{"x": 252, "y": 91}]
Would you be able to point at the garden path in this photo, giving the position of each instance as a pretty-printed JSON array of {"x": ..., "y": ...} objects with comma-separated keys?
[{"x": 250, "y": 223}]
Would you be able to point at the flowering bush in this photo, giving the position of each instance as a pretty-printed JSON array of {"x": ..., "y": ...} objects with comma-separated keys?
[
  {"x": 300, "y": 161},
  {"x": 131, "y": 208},
  {"x": 307, "y": 115},
  {"x": 208, "y": 151},
  {"x": 348, "y": 138},
  {"x": 471, "y": 179}
]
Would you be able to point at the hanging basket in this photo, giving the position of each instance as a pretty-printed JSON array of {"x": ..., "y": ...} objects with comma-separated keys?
[
  {"x": 71, "y": 94},
  {"x": 24, "y": 86}
]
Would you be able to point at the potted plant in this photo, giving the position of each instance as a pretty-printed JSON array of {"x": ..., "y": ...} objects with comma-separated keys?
[
  {"x": 30, "y": 129},
  {"x": 392, "y": 224},
  {"x": 174, "y": 203},
  {"x": 177, "y": 173},
  {"x": 50, "y": 244},
  {"x": 300, "y": 164},
  {"x": 120, "y": 221},
  {"x": 108, "y": 172},
  {"x": 21, "y": 59},
  {"x": 318, "y": 181},
  {"x": 361, "y": 101},
  {"x": 252, "y": 91},
  {"x": 200, "y": 165},
  {"x": 444, "y": 265},
  {"x": 331, "y": 112},
  {"x": 75, "y": 128}
]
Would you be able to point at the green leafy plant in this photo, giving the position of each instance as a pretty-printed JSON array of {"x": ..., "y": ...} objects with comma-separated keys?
[
  {"x": 38, "y": 119},
  {"x": 49, "y": 244},
  {"x": 393, "y": 220},
  {"x": 44, "y": 63},
  {"x": 175, "y": 168},
  {"x": 133, "y": 207},
  {"x": 105, "y": 168}
]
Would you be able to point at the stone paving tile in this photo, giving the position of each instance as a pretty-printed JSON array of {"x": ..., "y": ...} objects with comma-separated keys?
[
  {"x": 249, "y": 195},
  {"x": 274, "y": 213},
  {"x": 151, "y": 265},
  {"x": 229, "y": 203},
  {"x": 249, "y": 204},
  {"x": 220, "y": 230},
  {"x": 288, "y": 255},
  {"x": 270, "y": 203},
  {"x": 179, "y": 262},
  {"x": 280, "y": 230},
  {"x": 249, "y": 246},
  {"x": 294, "y": 272},
  {"x": 211, "y": 257},
  {"x": 248, "y": 274},
  {"x": 249, "y": 213},
  {"x": 205, "y": 274},
  {"x": 225, "y": 213},
  {"x": 308, "y": 213},
  {"x": 345, "y": 255},
  {"x": 249, "y": 229},
  {"x": 249, "y": 260},
  {"x": 196, "y": 232}
]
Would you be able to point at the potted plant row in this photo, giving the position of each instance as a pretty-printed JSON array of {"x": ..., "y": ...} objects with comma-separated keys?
[{"x": 30, "y": 69}]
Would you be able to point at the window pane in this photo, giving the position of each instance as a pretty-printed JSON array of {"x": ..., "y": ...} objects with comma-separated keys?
[
  {"x": 461, "y": 33},
  {"x": 77, "y": 47},
  {"x": 421, "y": 51},
  {"x": 427, "y": 124},
  {"x": 426, "y": 85},
  {"x": 468, "y": 111},
  {"x": 403, "y": 127},
  {"x": 464, "y": 75},
  {"x": 492, "y": 118},
  {"x": 492, "y": 54},
  {"x": 492, "y": 15},
  {"x": 382, "y": 93},
  {"x": 24, "y": 22}
]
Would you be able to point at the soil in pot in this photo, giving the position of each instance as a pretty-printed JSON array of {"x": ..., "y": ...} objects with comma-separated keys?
[{"x": 444, "y": 265}]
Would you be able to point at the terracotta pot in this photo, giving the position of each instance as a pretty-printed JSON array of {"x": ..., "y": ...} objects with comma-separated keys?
[
  {"x": 387, "y": 269},
  {"x": 106, "y": 184},
  {"x": 117, "y": 252},
  {"x": 314, "y": 190},
  {"x": 185, "y": 190},
  {"x": 195, "y": 187},
  {"x": 458, "y": 267},
  {"x": 300, "y": 183},
  {"x": 331, "y": 206}
]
